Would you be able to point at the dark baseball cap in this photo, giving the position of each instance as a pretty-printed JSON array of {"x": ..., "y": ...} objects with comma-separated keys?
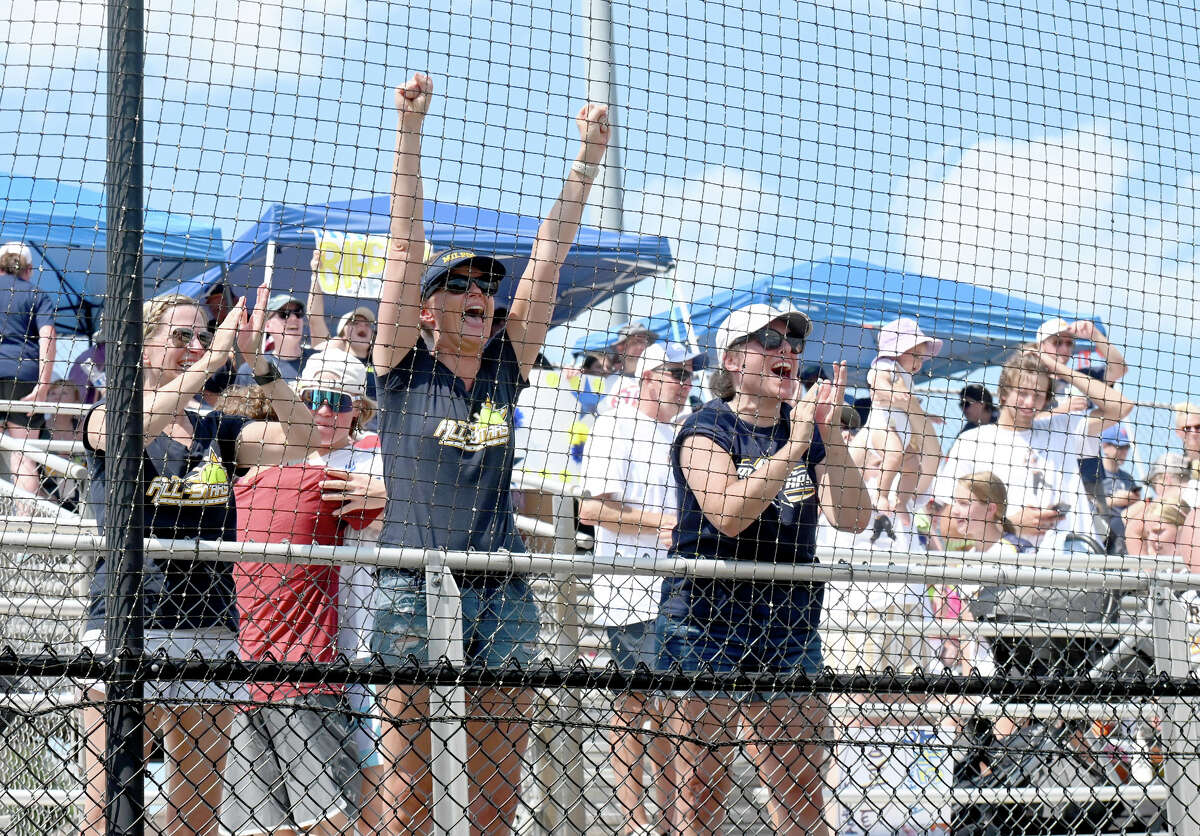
[{"x": 440, "y": 267}]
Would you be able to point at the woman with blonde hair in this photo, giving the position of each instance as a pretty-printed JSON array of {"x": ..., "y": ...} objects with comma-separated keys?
[{"x": 189, "y": 463}]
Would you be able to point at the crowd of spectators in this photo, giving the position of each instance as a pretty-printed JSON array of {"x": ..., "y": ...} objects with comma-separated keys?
[{"x": 399, "y": 427}]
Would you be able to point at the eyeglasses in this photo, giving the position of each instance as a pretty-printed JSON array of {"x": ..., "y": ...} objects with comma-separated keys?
[
  {"x": 770, "y": 339},
  {"x": 314, "y": 399},
  {"x": 285, "y": 313},
  {"x": 182, "y": 337},
  {"x": 678, "y": 373},
  {"x": 458, "y": 284}
]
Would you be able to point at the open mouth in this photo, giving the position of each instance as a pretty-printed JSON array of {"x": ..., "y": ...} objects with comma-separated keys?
[
  {"x": 782, "y": 369},
  {"x": 474, "y": 314}
]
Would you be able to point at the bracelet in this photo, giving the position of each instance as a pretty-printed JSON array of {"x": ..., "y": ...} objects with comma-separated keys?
[
  {"x": 269, "y": 376},
  {"x": 586, "y": 170}
]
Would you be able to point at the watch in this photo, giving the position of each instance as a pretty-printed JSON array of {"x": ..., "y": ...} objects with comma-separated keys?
[{"x": 269, "y": 376}]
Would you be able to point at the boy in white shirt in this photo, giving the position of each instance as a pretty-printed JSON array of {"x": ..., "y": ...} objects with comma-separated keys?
[{"x": 1036, "y": 454}]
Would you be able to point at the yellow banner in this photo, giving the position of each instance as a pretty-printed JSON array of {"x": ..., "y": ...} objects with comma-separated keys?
[{"x": 352, "y": 263}]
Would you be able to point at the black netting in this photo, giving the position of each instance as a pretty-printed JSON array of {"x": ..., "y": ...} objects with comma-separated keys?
[{"x": 489, "y": 418}]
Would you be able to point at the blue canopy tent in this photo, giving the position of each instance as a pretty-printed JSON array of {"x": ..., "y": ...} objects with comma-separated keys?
[
  {"x": 66, "y": 227},
  {"x": 848, "y": 301},
  {"x": 600, "y": 264}
]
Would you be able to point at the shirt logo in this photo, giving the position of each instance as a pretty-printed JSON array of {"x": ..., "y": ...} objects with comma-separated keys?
[
  {"x": 799, "y": 486},
  {"x": 488, "y": 428},
  {"x": 206, "y": 484}
]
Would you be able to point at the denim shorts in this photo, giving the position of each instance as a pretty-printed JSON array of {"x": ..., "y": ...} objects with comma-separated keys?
[
  {"x": 634, "y": 644},
  {"x": 745, "y": 647},
  {"x": 500, "y": 620}
]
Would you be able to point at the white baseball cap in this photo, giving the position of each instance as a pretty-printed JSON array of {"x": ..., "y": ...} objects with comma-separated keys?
[
  {"x": 660, "y": 354},
  {"x": 348, "y": 373},
  {"x": 19, "y": 248},
  {"x": 745, "y": 321},
  {"x": 361, "y": 311},
  {"x": 1051, "y": 328}
]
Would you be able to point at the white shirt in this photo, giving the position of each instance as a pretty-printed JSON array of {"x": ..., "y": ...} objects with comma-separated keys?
[
  {"x": 356, "y": 584},
  {"x": 1039, "y": 466},
  {"x": 628, "y": 459}
]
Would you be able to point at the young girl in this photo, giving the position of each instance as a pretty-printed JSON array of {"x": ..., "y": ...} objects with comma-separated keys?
[{"x": 898, "y": 439}]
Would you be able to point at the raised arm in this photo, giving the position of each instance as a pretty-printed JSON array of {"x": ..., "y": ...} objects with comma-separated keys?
[
  {"x": 844, "y": 498},
  {"x": 400, "y": 299},
  {"x": 1114, "y": 362},
  {"x": 533, "y": 304},
  {"x": 161, "y": 406},
  {"x": 1111, "y": 405},
  {"x": 269, "y": 442},
  {"x": 318, "y": 328}
]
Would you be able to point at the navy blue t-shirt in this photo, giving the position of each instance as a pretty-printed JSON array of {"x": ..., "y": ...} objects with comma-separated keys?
[
  {"x": 24, "y": 309},
  {"x": 289, "y": 370},
  {"x": 189, "y": 495},
  {"x": 785, "y": 533},
  {"x": 448, "y": 453}
]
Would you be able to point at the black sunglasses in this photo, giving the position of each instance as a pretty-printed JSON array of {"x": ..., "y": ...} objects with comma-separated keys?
[
  {"x": 770, "y": 339},
  {"x": 458, "y": 284},
  {"x": 284, "y": 313},
  {"x": 678, "y": 372}
]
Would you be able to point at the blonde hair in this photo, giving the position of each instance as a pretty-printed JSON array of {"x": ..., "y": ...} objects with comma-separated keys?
[
  {"x": 1171, "y": 513},
  {"x": 986, "y": 486},
  {"x": 1183, "y": 411},
  {"x": 365, "y": 410},
  {"x": 155, "y": 311},
  {"x": 248, "y": 402},
  {"x": 1024, "y": 362}
]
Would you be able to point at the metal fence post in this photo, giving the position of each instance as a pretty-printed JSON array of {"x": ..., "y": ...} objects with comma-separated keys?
[
  {"x": 447, "y": 705},
  {"x": 1181, "y": 726},
  {"x": 124, "y": 765},
  {"x": 566, "y": 750}
]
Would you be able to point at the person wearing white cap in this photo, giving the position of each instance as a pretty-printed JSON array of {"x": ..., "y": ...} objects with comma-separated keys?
[
  {"x": 447, "y": 394},
  {"x": 1057, "y": 338},
  {"x": 355, "y": 331},
  {"x": 629, "y": 496},
  {"x": 303, "y": 737},
  {"x": 756, "y": 467},
  {"x": 27, "y": 351},
  {"x": 898, "y": 445}
]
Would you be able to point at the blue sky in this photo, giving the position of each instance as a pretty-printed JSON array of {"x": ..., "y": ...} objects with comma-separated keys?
[{"x": 1035, "y": 147}]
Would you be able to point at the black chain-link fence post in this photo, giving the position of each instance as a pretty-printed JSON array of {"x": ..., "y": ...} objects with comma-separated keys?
[{"x": 124, "y": 713}]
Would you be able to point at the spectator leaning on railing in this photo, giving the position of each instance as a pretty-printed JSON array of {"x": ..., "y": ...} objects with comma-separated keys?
[
  {"x": 188, "y": 468},
  {"x": 1036, "y": 454},
  {"x": 755, "y": 468},
  {"x": 447, "y": 395},
  {"x": 27, "y": 349}
]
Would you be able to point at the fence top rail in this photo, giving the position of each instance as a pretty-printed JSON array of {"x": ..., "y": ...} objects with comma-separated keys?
[{"x": 1080, "y": 575}]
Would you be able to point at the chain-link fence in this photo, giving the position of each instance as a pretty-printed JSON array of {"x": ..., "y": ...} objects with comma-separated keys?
[{"x": 489, "y": 418}]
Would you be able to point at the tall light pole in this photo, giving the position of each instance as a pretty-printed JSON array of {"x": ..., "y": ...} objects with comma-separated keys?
[{"x": 602, "y": 88}]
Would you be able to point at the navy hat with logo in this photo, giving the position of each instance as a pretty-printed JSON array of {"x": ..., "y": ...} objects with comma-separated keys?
[{"x": 440, "y": 267}]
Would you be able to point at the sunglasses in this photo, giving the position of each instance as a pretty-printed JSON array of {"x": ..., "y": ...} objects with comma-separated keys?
[
  {"x": 458, "y": 284},
  {"x": 314, "y": 399},
  {"x": 770, "y": 339},
  {"x": 182, "y": 337},
  {"x": 286, "y": 313},
  {"x": 678, "y": 373}
]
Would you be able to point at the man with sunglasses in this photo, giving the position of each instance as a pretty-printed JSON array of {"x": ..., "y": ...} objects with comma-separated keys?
[
  {"x": 284, "y": 339},
  {"x": 629, "y": 496},
  {"x": 447, "y": 394}
]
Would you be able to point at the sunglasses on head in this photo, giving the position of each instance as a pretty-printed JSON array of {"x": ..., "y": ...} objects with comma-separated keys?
[
  {"x": 284, "y": 313},
  {"x": 182, "y": 337},
  {"x": 770, "y": 339},
  {"x": 314, "y": 399},
  {"x": 678, "y": 373},
  {"x": 458, "y": 284}
]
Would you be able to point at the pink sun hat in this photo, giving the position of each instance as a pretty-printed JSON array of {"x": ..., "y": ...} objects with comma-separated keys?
[{"x": 903, "y": 335}]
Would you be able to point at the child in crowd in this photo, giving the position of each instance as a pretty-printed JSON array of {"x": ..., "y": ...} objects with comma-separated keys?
[
  {"x": 1167, "y": 476},
  {"x": 297, "y": 751},
  {"x": 898, "y": 447}
]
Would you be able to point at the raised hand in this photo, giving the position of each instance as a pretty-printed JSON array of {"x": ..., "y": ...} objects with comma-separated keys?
[
  {"x": 804, "y": 412},
  {"x": 1083, "y": 329},
  {"x": 412, "y": 99},
  {"x": 250, "y": 325},
  {"x": 227, "y": 334},
  {"x": 594, "y": 131},
  {"x": 830, "y": 398}
]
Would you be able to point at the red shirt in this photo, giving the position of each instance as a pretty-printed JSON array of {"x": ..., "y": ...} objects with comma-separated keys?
[{"x": 288, "y": 611}]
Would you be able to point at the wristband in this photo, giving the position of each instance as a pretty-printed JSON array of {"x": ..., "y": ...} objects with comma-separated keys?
[
  {"x": 586, "y": 170},
  {"x": 269, "y": 376}
]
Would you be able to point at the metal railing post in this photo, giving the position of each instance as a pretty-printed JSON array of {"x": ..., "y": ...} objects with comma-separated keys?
[
  {"x": 447, "y": 705},
  {"x": 1169, "y": 618}
]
